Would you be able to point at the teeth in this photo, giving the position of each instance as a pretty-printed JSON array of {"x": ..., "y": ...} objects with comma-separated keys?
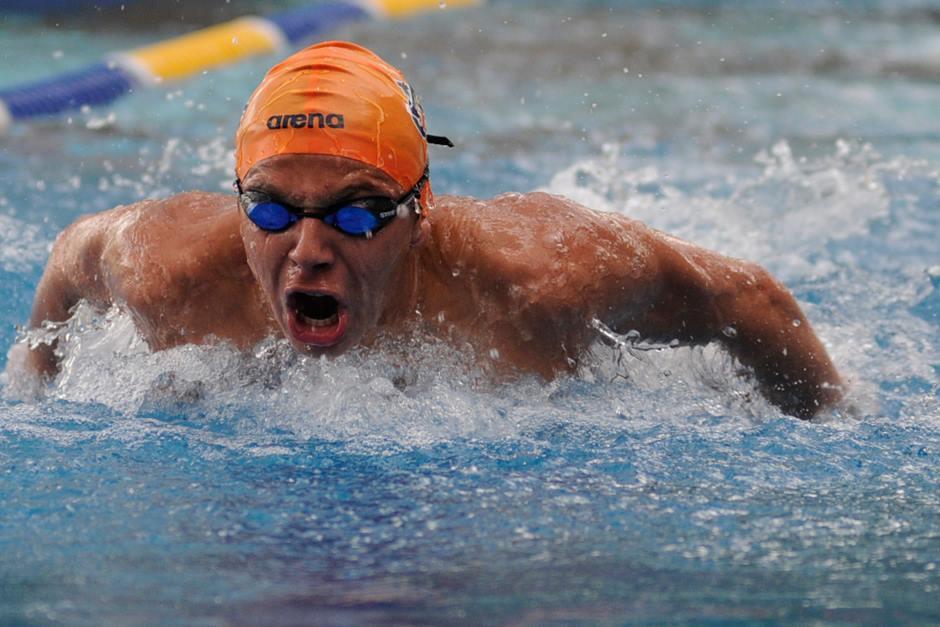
[{"x": 320, "y": 322}]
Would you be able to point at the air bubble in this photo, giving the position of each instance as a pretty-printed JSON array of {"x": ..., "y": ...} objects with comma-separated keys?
[{"x": 730, "y": 332}]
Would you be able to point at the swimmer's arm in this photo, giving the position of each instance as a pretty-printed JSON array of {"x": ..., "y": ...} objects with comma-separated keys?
[
  {"x": 760, "y": 323},
  {"x": 72, "y": 274},
  {"x": 699, "y": 296}
]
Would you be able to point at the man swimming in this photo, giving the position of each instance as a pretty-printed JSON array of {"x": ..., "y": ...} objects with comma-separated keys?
[{"x": 335, "y": 240}]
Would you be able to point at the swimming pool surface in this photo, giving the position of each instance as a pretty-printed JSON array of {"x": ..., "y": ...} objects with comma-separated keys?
[{"x": 204, "y": 486}]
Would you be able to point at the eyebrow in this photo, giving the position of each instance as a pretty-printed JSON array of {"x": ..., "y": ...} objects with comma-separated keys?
[{"x": 291, "y": 202}]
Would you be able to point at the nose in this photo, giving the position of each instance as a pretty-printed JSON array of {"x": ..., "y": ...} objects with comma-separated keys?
[{"x": 313, "y": 249}]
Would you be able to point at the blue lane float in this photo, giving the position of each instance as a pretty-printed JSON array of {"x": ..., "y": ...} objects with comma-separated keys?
[
  {"x": 56, "y": 6},
  {"x": 95, "y": 85},
  {"x": 122, "y": 72}
]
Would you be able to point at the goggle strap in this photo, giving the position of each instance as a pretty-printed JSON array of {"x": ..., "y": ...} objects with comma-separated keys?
[{"x": 440, "y": 140}]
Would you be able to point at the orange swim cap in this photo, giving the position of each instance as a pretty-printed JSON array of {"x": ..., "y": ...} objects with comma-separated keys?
[{"x": 336, "y": 98}]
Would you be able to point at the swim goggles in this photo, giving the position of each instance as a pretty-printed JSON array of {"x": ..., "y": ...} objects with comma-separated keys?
[{"x": 357, "y": 218}]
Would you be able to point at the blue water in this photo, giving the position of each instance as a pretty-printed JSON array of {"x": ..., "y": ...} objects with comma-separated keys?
[{"x": 203, "y": 486}]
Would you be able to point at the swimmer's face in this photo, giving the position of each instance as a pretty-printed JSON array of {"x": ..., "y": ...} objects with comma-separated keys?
[{"x": 327, "y": 290}]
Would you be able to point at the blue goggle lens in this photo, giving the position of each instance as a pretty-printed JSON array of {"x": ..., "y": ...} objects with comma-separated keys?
[
  {"x": 353, "y": 220},
  {"x": 271, "y": 216}
]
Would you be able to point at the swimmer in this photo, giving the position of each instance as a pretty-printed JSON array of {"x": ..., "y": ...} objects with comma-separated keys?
[{"x": 334, "y": 239}]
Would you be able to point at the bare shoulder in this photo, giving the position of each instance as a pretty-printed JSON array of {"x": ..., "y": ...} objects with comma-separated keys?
[
  {"x": 537, "y": 237},
  {"x": 156, "y": 249},
  {"x": 171, "y": 219},
  {"x": 525, "y": 273},
  {"x": 179, "y": 266},
  {"x": 180, "y": 234}
]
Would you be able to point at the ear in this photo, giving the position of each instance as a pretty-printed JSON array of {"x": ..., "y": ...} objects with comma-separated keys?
[{"x": 421, "y": 231}]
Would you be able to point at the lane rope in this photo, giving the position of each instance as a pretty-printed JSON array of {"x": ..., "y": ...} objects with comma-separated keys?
[{"x": 121, "y": 72}]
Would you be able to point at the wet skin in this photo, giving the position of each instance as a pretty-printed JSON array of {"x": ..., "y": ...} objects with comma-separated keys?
[{"x": 519, "y": 278}]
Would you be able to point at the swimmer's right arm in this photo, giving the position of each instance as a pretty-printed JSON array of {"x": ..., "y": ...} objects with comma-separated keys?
[{"x": 73, "y": 273}]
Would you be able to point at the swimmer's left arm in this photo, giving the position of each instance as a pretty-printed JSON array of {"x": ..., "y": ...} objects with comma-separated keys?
[
  {"x": 698, "y": 296},
  {"x": 760, "y": 323}
]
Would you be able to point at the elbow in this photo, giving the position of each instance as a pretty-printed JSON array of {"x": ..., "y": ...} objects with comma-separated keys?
[{"x": 754, "y": 296}]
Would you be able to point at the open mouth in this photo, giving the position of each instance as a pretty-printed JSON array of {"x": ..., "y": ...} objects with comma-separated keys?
[
  {"x": 317, "y": 319},
  {"x": 317, "y": 310}
]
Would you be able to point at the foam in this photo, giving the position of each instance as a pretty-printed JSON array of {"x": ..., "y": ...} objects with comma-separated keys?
[{"x": 369, "y": 397}]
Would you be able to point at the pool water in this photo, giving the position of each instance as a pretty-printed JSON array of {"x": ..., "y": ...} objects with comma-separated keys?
[{"x": 205, "y": 486}]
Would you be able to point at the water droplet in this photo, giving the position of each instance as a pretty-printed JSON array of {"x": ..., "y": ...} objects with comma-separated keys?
[
  {"x": 494, "y": 354},
  {"x": 730, "y": 332},
  {"x": 235, "y": 40},
  {"x": 796, "y": 323}
]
